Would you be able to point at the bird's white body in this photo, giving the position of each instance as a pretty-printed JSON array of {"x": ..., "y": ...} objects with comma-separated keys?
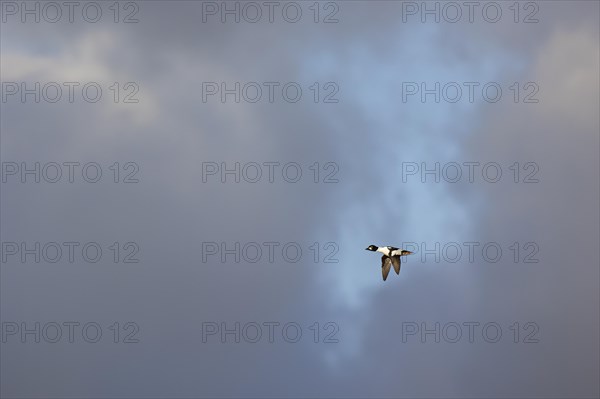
[{"x": 390, "y": 251}]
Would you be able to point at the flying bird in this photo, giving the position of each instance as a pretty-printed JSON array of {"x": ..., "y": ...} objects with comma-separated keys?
[{"x": 391, "y": 256}]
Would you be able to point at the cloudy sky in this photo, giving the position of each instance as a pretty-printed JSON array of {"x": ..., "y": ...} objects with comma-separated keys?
[{"x": 467, "y": 135}]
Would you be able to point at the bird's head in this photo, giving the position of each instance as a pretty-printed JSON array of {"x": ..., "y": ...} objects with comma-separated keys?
[{"x": 372, "y": 248}]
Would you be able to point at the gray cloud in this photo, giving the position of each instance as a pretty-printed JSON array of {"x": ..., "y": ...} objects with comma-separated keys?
[{"x": 369, "y": 133}]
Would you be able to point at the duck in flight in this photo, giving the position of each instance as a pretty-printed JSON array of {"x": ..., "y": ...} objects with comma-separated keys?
[{"x": 391, "y": 256}]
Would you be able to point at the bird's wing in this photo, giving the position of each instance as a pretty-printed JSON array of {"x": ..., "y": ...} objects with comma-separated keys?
[
  {"x": 396, "y": 263},
  {"x": 392, "y": 248},
  {"x": 386, "y": 264}
]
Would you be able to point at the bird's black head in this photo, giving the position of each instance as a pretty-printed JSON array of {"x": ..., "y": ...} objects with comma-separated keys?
[{"x": 372, "y": 248}]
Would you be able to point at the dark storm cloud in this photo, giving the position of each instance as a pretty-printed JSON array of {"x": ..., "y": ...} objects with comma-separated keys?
[{"x": 369, "y": 133}]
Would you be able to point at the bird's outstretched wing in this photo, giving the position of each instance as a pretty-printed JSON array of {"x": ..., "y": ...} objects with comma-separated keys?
[
  {"x": 386, "y": 264},
  {"x": 396, "y": 263}
]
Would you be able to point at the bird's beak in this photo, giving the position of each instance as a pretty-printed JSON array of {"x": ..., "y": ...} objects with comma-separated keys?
[{"x": 366, "y": 249}]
